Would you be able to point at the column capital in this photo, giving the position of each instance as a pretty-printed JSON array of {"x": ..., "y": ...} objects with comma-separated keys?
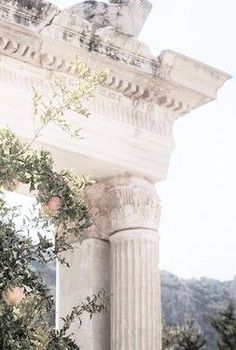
[{"x": 121, "y": 203}]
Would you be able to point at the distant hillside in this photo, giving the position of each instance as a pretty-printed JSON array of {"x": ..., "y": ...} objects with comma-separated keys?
[
  {"x": 182, "y": 299},
  {"x": 199, "y": 299}
]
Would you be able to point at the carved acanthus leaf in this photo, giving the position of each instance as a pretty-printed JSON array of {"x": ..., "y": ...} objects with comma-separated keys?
[{"x": 122, "y": 203}]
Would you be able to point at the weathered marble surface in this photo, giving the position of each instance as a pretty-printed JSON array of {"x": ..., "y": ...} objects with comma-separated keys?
[
  {"x": 88, "y": 274},
  {"x": 29, "y": 13},
  {"x": 127, "y": 16},
  {"x": 126, "y": 211},
  {"x": 127, "y": 143}
]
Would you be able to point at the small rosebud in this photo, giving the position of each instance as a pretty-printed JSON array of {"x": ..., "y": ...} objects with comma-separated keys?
[
  {"x": 13, "y": 296},
  {"x": 53, "y": 206}
]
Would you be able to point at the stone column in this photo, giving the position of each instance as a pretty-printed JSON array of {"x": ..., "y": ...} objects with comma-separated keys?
[
  {"x": 126, "y": 211},
  {"x": 135, "y": 308},
  {"x": 89, "y": 272}
]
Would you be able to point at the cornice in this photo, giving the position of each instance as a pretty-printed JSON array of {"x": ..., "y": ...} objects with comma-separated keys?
[
  {"x": 133, "y": 112},
  {"x": 196, "y": 76},
  {"x": 27, "y": 46},
  {"x": 139, "y": 136},
  {"x": 106, "y": 103},
  {"x": 135, "y": 72}
]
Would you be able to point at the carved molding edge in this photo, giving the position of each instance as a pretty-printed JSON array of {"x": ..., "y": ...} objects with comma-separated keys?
[
  {"x": 38, "y": 51},
  {"x": 172, "y": 81}
]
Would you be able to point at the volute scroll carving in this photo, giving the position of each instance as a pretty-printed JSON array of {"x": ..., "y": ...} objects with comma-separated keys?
[{"x": 122, "y": 203}]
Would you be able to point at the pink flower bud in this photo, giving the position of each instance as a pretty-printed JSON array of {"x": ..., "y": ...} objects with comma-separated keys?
[
  {"x": 53, "y": 206},
  {"x": 13, "y": 296}
]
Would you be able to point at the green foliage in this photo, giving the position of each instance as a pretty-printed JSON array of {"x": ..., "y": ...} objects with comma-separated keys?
[
  {"x": 187, "y": 337},
  {"x": 36, "y": 169},
  {"x": 26, "y": 326},
  {"x": 225, "y": 326},
  {"x": 17, "y": 254},
  {"x": 25, "y": 301}
]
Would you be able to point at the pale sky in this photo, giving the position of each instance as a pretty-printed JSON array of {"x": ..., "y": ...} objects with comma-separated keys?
[{"x": 198, "y": 225}]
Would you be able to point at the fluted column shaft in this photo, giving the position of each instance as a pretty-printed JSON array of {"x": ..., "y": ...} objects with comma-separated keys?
[
  {"x": 126, "y": 212},
  {"x": 135, "y": 308},
  {"x": 89, "y": 272}
]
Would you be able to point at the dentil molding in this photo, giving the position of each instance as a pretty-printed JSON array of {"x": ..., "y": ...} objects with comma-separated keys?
[{"x": 135, "y": 109}]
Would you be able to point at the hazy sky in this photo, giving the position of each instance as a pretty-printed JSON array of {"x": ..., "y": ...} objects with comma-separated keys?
[{"x": 198, "y": 228}]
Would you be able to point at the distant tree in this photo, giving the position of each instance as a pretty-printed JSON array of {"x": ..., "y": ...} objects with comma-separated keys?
[
  {"x": 225, "y": 326},
  {"x": 186, "y": 337}
]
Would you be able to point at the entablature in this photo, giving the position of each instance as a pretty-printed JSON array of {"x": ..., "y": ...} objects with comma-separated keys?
[
  {"x": 133, "y": 112},
  {"x": 171, "y": 80}
]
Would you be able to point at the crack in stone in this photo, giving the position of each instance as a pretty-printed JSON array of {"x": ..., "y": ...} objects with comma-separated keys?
[{"x": 50, "y": 20}]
